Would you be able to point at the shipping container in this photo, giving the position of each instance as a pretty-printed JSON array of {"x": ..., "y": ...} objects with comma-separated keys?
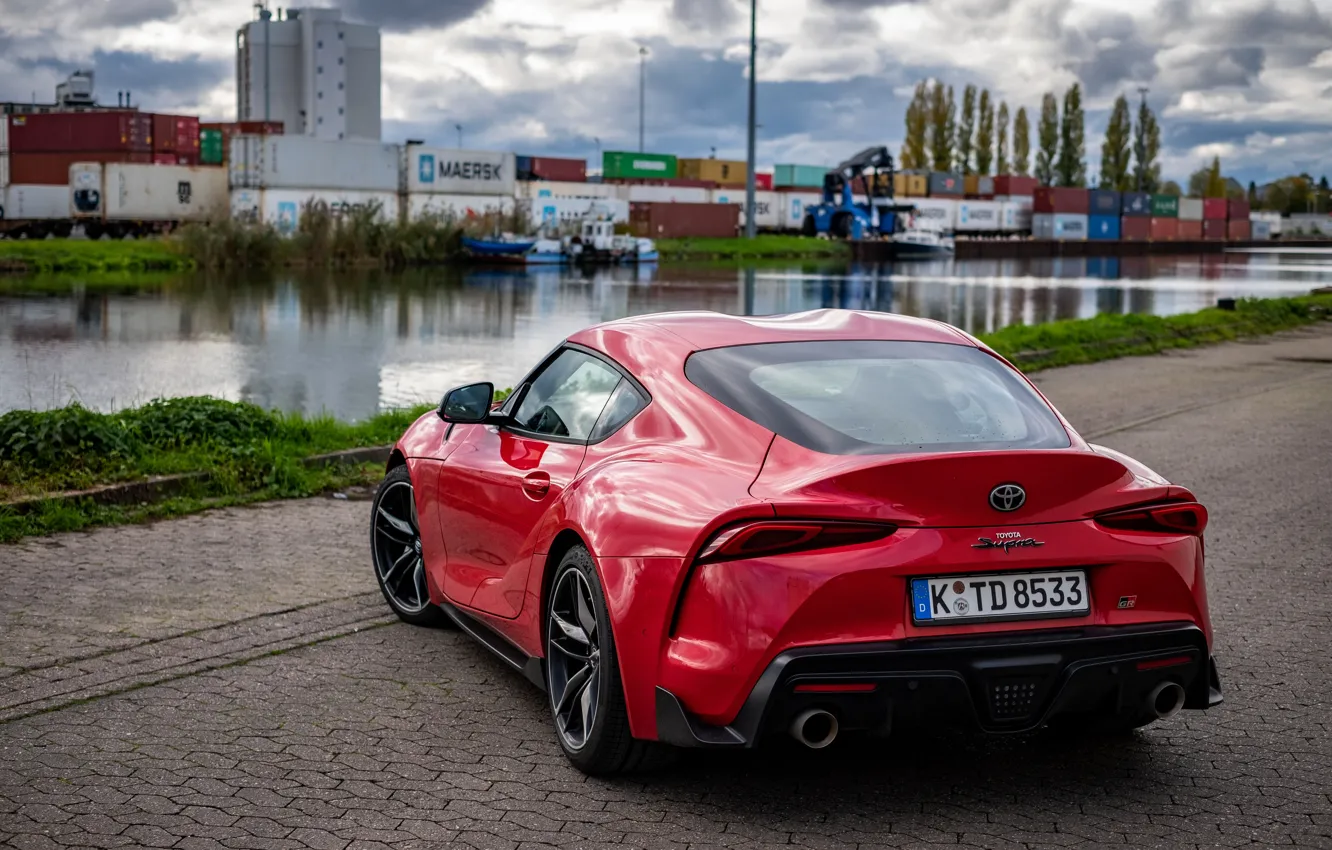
[
  {"x": 1070, "y": 227},
  {"x": 4, "y": 135},
  {"x": 1135, "y": 228},
  {"x": 28, "y": 203},
  {"x": 1190, "y": 229},
  {"x": 1103, "y": 202},
  {"x": 210, "y": 147},
  {"x": 1260, "y": 230},
  {"x": 767, "y": 206},
  {"x": 463, "y": 207},
  {"x": 1214, "y": 228},
  {"x": 1165, "y": 206},
  {"x": 975, "y": 216},
  {"x": 664, "y": 194},
  {"x": 935, "y": 213},
  {"x": 1042, "y": 226},
  {"x": 763, "y": 180},
  {"x": 304, "y": 162},
  {"x": 676, "y": 182},
  {"x": 945, "y": 184},
  {"x": 799, "y": 176},
  {"x": 910, "y": 185},
  {"x": 550, "y": 168},
  {"x": 673, "y": 221},
  {"x": 1165, "y": 228},
  {"x": 164, "y": 159},
  {"x": 283, "y": 207},
  {"x": 1137, "y": 204},
  {"x": 1016, "y": 215},
  {"x": 1061, "y": 199},
  {"x": 976, "y": 186},
  {"x": 560, "y": 189},
  {"x": 1191, "y": 209},
  {"x": 175, "y": 133},
  {"x": 54, "y": 132},
  {"x": 1102, "y": 227},
  {"x": 4, "y": 170},
  {"x": 724, "y": 172},
  {"x": 792, "y": 207},
  {"x": 1239, "y": 229},
  {"x": 549, "y": 211},
  {"x": 132, "y": 192},
  {"x": 1215, "y": 208},
  {"x": 457, "y": 172},
  {"x": 1237, "y": 209},
  {"x": 52, "y": 169},
  {"x": 616, "y": 164},
  {"x": 1013, "y": 184},
  {"x": 1272, "y": 219}
]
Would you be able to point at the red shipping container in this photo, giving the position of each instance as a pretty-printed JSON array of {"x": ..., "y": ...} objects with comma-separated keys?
[
  {"x": 80, "y": 131},
  {"x": 1012, "y": 184},
  {"x": 674, "y": 221},
  {"x": 1214, "y": 228},
  {"x": 763, "y": 181},
  {"x": 1165, "y": 229},
  {"x": 1135, "y": 228},
  {"x": 1190, "y": 230},
  {"x": 52, "y": 169},
  {"x": 1061, "y": 199},
  {"x": 1215, "y": 208},
  {"x": 556, "y": 168},
  {"x": 1240, "y": 229},
  {"x": 1237, "y": 210},
  {"x": 167, "y": 158}
]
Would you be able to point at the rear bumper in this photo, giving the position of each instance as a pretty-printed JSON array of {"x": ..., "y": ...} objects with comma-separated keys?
[{"x": 998, "y": 683}]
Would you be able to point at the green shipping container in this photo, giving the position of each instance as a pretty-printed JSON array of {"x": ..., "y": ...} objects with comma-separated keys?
[
  {"x": 1165, "y": 206},
  {"x": 810, "y": 176},
  {"x": 210, "y": 147},
  {"x": 621, "y": 165}
]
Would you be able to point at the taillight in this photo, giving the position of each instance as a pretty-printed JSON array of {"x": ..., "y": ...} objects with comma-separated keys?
[
  {"x": 755, "y": 539},
  {"x": 1173, "y": 518}
]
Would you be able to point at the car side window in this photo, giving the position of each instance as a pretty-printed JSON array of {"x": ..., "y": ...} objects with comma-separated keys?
[
  {"x": 624, "y": 404},
  {"x": 567, "y": 397}
]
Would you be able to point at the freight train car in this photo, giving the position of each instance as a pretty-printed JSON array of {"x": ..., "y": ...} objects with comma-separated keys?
[{"x": 127, "y": 199}]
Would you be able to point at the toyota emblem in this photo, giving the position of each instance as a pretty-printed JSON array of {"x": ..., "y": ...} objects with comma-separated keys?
[{"x": 1007, "y": 497}]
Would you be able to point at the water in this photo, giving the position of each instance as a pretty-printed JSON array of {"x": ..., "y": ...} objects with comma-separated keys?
[{"x": 354, "y": 343}]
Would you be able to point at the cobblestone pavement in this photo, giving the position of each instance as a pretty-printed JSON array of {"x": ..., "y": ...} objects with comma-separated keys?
[{"x": 180, "y": 702}]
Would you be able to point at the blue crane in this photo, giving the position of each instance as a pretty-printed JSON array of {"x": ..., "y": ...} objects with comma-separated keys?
[{"x": 841, "y": 216}]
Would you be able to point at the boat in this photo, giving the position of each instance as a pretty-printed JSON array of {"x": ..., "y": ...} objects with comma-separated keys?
[
  {"x": 923, "y": 242},
  {"x": 596, "y": 242},
  {"x": 499, "y": 246}
]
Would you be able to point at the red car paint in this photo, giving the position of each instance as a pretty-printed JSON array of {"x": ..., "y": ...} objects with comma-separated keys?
[{"x": 496, "y": 511}]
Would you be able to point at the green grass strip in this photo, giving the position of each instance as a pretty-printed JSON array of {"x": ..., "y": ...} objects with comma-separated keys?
[{"x": 66, "y": 256}]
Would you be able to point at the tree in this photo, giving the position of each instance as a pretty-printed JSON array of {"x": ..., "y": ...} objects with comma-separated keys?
[
  {"x": 1115, "y": 149},
  {"x": 914, "y": 153},
  {"x": 941, "y": 127},
  {"x": 1048, "y": 139},
  {"x": 1071, "y": 166},
  {"x": 1021, "y": 142},
  {"x": 1322, "y": 194},
  {"x": 1171, "y": 188},
  {"x": 1253, "y": 195},
  {"x": 985, "y": 134},
  {"x": 965, "y": 129},
  {"x": 1146, "y": 148},
  {"x": 1001, "y": 165},
  {"x": 1207, "y": 181}
]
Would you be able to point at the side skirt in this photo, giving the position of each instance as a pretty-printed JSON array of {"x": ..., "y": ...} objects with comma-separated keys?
[{"x": 530, "y": 666}]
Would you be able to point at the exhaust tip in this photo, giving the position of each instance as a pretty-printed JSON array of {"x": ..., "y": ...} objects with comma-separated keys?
[
  {"x": 1166, "y": 700},
  {"x": 815, "y": 728}
]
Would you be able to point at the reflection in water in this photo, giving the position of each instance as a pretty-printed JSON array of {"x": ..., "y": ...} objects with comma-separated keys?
[{"x": 352, "y": 343}]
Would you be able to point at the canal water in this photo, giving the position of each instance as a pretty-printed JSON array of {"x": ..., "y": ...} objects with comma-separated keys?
[{"x": 351, "y": 344}]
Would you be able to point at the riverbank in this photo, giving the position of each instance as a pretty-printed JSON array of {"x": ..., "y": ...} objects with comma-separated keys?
[
  {"x": 31, "y": 257},
  {"x": 763, "y": 247}
]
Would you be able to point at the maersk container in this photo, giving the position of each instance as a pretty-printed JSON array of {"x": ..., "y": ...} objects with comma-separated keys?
[
  {"x": 283, "y": 208},
  {"x": 979, "y": 216},
  {"x": 548, "y": 211},
  {"x": 793, "y": 206},
  {"x": 1190, "y": 209},
  {"x": 935, "y": 213},
  {"x": 304, "y": 162},
  {"x": 563, "y": 189},
  {"x": 1015, "y": 215},
  {"x": 1137, "y": 204},
  {"x": 118, "y": 191},
  {"x": 1103, "y": 202},
  {"x": 799, "y": 176},
  {"x": 1102, "y": 227},
  {"x": 638, "y": 194},
  {"x": 458, "y": 172},
  {"x": 459, "y": 207},
  {"x": 767, "y": 206},
  {"x": 19, "y": 202},
  {"x": 945, "y": 183},
  {"x": 1165, "y": 206},
  {"x": 618, "y": 165}
]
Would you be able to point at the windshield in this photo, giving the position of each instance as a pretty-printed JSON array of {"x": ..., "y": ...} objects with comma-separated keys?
[{"x": 879, "y": 397}]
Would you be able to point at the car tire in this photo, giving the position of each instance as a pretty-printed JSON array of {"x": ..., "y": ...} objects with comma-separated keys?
[
  {"x": 602, "y": 746},
  {"x": 809, "y": 227},
  {"x": 395, "y": 537}
]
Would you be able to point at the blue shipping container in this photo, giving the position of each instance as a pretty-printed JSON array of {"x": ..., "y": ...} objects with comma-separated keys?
[
  {"x": 1137, "y": 204},
  {"x": 1103, "y": 227},
  {"x": 1103, "y": 202}
]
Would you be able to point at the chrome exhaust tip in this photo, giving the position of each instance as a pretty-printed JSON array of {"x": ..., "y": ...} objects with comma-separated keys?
[
  {"x": 1166, "y": 700},
  {"x": 815, "y": 728}
]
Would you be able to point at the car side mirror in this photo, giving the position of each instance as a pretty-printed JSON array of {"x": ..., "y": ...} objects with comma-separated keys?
[{"x": 467, "y": 405}]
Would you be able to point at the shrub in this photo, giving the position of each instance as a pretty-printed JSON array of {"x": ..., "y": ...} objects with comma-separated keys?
[
  {"x": 72, "y": 435},
  {"x": 198, "y": 420}
]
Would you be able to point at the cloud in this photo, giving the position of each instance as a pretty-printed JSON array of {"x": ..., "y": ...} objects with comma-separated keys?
[
  {"x": 705, "y": 14},
  {"x": 155, "y": 83},
  {"x": 409, "y": 15},
  {"x": 90, "y": 13}
]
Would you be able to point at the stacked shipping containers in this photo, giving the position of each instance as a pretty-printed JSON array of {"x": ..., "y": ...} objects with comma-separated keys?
[
  {"x": 1165, "y": 218},
  {"x": 1238, "y": 228},
  {"x": 1103, "y": 207},
  {"x": 175, "y": 139},
  {"x": 1060, "y": 213},
  {"x": 221, "y": 133},
  {"x": 457, "y": 183},
  {"x": 1190, "y": 219},
  {"x": 1136, "y": 225},
  {"x": 1215, "y": 215}
]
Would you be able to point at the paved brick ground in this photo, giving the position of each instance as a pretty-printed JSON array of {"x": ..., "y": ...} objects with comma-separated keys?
[{"x": 155, "y": 712}]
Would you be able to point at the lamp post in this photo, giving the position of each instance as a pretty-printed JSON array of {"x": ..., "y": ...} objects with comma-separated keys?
[
  {"x": 458, "y": 127},
  {"x": 751, "y": 228},
  {"x": 642, "y": 94}
]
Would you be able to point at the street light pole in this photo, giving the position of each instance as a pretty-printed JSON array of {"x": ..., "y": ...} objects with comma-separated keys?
[
  {"x": 751, "y": 226},
  {"x": 459, "y": 128},
  {"x": 1141, "y": 146},
  {"x": 642, "y": 94}
]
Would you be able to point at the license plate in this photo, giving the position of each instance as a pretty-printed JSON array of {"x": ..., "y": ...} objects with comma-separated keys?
[{"x": 1001, "y": 596}]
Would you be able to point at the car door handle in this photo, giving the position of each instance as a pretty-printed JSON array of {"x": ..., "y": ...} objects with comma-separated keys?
[{"x": 536, "y": 485}]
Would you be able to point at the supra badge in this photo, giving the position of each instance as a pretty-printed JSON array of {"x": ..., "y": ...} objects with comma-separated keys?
[{"x": 1007, "y": 540}]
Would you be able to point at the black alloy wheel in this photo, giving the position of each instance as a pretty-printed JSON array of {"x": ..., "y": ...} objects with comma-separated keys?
[{"x": 395, "y": 543}]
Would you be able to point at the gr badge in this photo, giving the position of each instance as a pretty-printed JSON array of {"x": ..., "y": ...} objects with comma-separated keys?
[{"x": 1128, "y": 602}]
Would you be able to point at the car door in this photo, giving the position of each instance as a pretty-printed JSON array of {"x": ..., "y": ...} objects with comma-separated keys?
[{"x": 495, "y": 489}]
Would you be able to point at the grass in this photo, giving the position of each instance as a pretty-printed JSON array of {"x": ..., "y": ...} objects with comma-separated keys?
[
  {"x": 81, "y": 256},
  {"x": 760, "y": 247}
]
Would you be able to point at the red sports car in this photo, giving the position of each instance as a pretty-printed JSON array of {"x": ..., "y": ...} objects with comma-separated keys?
[{"x": 697, "y": 529}]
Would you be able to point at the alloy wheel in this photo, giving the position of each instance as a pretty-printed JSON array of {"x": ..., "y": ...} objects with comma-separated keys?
[
  {"x": 397, "y": 539},
  {"x": 573, "y": 658}
]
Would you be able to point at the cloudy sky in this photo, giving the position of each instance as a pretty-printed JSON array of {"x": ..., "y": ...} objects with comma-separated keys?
[{"x": 1250, "y": 80}]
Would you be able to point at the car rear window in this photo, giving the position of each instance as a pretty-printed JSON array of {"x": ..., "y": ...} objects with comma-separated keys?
[{"x": 879, "y": 397}]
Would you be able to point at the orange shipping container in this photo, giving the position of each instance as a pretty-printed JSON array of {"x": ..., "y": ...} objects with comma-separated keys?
[
  {"x": 1190, "y": 230},
  {"x": 724, "y": 172},
  {"x": 675, "y": 221},
  {"x": 1165, "y": 229},
  {"x": 910, "y": 185}
]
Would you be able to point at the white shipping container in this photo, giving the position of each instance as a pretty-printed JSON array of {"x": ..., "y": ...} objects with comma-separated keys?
[
  {"x": 1021, "y": 201},
  {"x": 4, "y": 134},
  {"x": 1272, "y": 219},
  {"x": 457, "y": 172},
  {"x": 422, "y": 204},
  {"x": 663, "y": 194},
  {"x": 1015, "y": 217},
  {"x": 304, "y": 162},
  {"x": 4, "y": 168},
  {"x": 1260, "y": 229},
  {"x": 934, "y": 213},
  {"x": 1191, "y": 209},
  {"x": 978, "y": 216},
  {"x": 1042, "y": 226},
  {"x": 792, "y": 207},
  {"x": 556, "y": 189},
  {"x": 546, "y": 211},
  {"x": 1069, "y": 227},
  {"x": 283, "y": 207},
  {"x": 121, "y": 191},
  {"x": 25, "y": 203},
  {"x": 767, "y": 209}
]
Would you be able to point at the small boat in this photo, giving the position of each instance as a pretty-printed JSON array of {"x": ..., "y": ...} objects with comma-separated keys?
[
  {"x": 499, "y": 246},
  {"x": 595, "y": 242},
  {"x": 922, "y": 242}
]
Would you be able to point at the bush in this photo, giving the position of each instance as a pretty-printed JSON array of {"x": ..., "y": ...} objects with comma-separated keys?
[
  {"x": 70, "y": 435},
  {"x": 197, "y": 421}
]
